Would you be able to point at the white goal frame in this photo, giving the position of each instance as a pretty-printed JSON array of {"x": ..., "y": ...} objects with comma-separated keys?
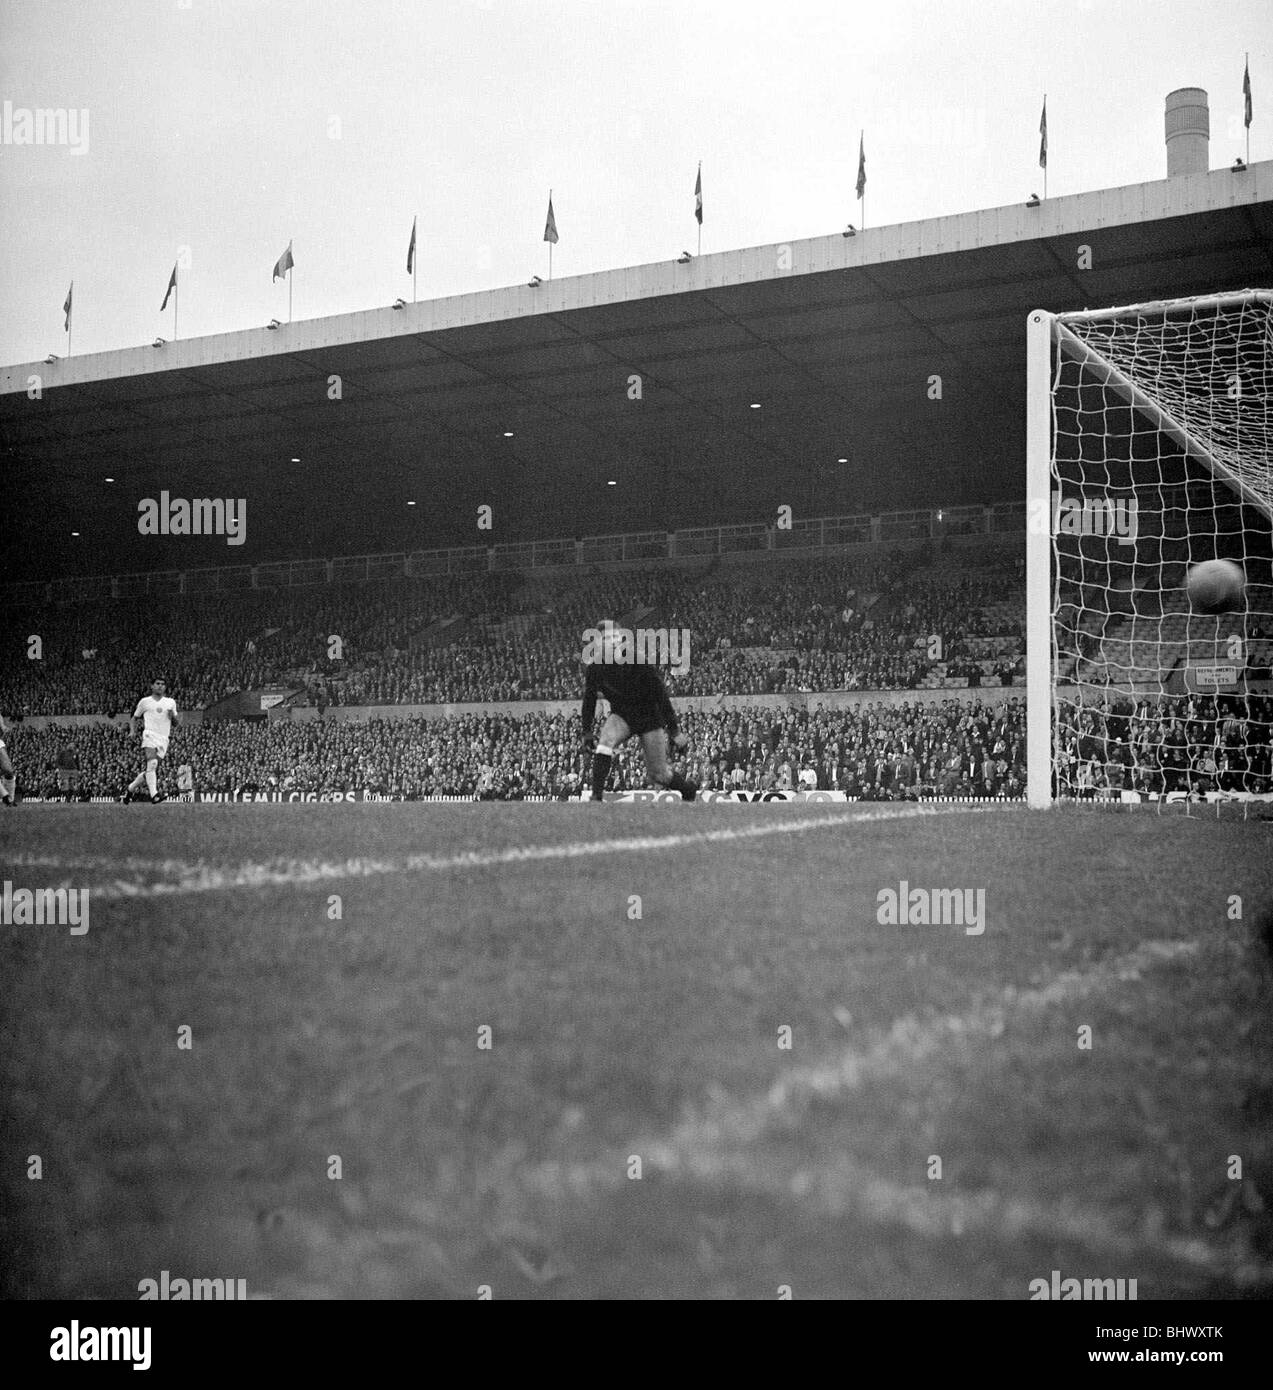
[{"x": 1047, "y": 338}]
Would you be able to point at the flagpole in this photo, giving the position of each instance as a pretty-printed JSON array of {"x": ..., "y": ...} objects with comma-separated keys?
[
  {"x": 176, "y": 301},
  {"x": 700, "y": 208},
  {"x": 415, "y": 256},
  {"x": 290, "y": 268},
  {"x": 550, "y": 245},
  {"x": 1247, "y": 86}
]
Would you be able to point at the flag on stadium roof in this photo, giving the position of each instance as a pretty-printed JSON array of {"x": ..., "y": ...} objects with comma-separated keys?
[
  {"x": 66, "y": 308},
  {"x": 1043, "y": 136},
  {"x": 172, "y": 285},
  {"x": 284, "y": 262},
  {"x": 550, "y": 227},
  {"x": 862, "y": 164},
  {"x": 698, "y": 196},
  {"x": 1246, "y": 95},
  {"x": 411, "y": 249}
]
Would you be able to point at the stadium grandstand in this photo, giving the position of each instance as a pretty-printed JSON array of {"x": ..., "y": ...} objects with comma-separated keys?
[
  {"x": 774, "y": 630},
  {"x": 733, "y": 439},
  {"x": 791, "y": 643}
]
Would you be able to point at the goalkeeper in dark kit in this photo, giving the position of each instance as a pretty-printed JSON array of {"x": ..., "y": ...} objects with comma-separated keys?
[{"x": 639, "y": 706}]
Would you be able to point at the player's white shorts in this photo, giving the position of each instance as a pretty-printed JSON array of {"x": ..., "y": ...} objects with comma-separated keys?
[{"x": 160, "y": 745}]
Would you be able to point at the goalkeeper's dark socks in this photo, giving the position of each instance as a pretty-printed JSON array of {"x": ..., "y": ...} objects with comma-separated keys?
[
  {"x": 687, "y": 789},
  {"x": 600, "y": 770}
]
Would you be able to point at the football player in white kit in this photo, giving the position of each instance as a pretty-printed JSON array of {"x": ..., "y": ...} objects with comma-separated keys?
[{"x": 158, "y": 712}]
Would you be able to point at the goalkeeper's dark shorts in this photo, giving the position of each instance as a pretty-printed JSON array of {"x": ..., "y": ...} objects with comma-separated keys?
[{"x": 641, "y": 719}]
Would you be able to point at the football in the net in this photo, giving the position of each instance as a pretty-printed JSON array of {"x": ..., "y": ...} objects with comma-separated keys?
[{"x": 1215, "y": 586}]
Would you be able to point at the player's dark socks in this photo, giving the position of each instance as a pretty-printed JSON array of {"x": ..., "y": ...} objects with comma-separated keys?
[
  {"x": 687, "y": 789},
  {"x": 600, "y": 772}
]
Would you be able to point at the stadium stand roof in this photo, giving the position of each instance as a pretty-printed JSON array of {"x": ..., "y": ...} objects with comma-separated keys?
[{"x": 836, "y": 339}]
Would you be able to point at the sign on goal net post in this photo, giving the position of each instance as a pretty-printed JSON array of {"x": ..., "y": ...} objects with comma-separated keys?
[{"x": 1148, "y": 454}]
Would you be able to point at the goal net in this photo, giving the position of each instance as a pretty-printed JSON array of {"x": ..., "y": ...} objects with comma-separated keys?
[{"x": 1148, "y": 452}]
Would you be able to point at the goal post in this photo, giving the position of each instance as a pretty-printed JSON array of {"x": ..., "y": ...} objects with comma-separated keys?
[
  {"x": 1038, "y": 559},
  {"x": 1147, "y": 450}
]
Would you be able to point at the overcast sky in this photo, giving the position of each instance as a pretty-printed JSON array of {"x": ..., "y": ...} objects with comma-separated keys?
[{"x": 229, "y": 127}]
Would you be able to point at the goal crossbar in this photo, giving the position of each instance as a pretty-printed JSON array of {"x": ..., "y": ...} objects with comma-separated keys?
[{"x": 1231, "y": 299}]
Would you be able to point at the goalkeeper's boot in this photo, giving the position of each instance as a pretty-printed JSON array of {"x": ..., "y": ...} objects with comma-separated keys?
[{"x": 678, "y": 783}]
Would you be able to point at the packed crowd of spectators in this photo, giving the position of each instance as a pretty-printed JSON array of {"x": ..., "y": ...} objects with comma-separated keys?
[
  {"x": 98, "y": 657},
  {"x": 876, "y": 751},
  {"x": 956, "y": 747},
  {"x": 1194, "y": 744},
  {"x": 795, "y": 625},
  {"x": 798, "y": 624}
]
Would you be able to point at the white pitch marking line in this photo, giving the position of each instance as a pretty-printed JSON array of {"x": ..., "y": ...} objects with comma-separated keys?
[
  {"x": 716, "y": 1145},
  {"x": 111, "y": 863},
  {"x": 200, "y": 877}
]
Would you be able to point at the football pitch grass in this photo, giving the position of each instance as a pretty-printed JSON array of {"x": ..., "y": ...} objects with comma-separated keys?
[{"x": 528, "y": 1088}]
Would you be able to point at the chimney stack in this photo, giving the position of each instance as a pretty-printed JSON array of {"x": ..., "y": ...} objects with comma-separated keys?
[{"x": 1188, "y": 124}]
